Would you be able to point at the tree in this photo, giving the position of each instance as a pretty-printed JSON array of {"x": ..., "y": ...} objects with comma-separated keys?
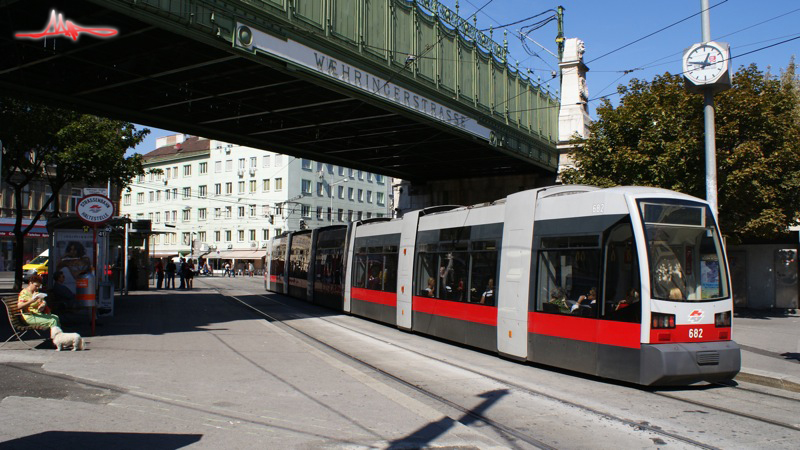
[
  {"x": 655, "y": 137},
  {"x": 61, "y": 147}
]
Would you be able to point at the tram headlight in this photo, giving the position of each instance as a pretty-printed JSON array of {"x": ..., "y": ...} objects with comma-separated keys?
[
  {"x": 661, "y": 320},
  {"x": 722, "y": 319}
]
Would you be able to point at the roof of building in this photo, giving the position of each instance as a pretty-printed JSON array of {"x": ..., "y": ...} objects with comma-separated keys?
[{"x": 188, "y": 147}]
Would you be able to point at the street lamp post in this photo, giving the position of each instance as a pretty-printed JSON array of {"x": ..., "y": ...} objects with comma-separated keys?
[{"x": 330, "y": 186}]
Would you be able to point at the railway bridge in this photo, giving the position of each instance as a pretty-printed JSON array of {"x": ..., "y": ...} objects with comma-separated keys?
[{"x": 406, "y": 88}]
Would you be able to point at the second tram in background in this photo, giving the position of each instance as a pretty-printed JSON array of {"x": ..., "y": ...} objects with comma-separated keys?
[{"x": 627, "y": 283}]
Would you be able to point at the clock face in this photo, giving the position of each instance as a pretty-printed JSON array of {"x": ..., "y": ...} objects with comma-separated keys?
[{"x": 704, "y": 64}]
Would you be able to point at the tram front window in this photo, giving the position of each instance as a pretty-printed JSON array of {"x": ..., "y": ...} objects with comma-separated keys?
[{"x": 684, "y": 252}]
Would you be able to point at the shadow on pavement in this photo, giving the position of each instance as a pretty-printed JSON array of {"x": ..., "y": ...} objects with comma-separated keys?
[
  {"x": 84, "y": 439},
  {"x": 763, "y": 313}
]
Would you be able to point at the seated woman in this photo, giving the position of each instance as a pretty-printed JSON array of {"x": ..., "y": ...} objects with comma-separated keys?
[
  {"x": 559, "y": 298},
  {"x": 586, "y": 301},
  {"x": 31, "y": 305}
]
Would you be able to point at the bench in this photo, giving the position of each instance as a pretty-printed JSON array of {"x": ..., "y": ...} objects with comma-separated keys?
[{"x": 18, "y": 326}]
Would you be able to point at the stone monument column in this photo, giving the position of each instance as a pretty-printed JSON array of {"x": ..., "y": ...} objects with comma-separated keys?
[{"x": 573, "y": 117}]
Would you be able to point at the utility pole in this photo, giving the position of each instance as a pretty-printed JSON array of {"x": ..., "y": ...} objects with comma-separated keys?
[{"x": 708, "y": 112}]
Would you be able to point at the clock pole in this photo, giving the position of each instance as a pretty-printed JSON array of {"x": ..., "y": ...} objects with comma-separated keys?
[{"x": 708, "y": 111}]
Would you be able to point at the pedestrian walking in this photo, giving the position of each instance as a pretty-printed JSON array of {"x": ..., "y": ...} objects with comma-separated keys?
[
  {"x": 159, "y": 274},
  {"x": 250, "y": 269},
  {"x": 227, "y": 272},
  {"x": 170, "y": 274},
  {"x": 181, "y": 262}
]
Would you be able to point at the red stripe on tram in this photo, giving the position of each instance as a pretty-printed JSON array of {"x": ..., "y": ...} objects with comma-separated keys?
[
  {"x": 605, "y": 332},
  {"x": 469, "y": 312},
  {"x": 372, "y": 296}
]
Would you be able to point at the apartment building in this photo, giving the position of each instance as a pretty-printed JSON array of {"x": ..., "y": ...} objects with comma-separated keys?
[{"x": 226, "y": 201}]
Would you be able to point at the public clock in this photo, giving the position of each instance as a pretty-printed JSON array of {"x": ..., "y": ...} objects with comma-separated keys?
[{"x": 706, "y": 64}]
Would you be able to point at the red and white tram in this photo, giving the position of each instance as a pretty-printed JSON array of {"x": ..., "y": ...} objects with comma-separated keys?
[{"x": 628, "y": 283}]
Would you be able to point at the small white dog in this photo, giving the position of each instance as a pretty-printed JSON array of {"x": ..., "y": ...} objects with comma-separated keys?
[{"x": 65, "y": 340}]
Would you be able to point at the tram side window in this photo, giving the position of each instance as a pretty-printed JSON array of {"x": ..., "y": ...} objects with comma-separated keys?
[
  {"x": 623, "y": 286},
  {"x": 375, "y": 263},
  {"x": 568, "y": 280},
  {"x": 459, "y": 264}
]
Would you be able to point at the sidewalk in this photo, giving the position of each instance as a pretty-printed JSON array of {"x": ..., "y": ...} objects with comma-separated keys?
[{"x": 770, "y": 340}]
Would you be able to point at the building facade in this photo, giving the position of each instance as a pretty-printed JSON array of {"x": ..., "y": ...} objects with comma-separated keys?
[{"x": 223, "y": 202}]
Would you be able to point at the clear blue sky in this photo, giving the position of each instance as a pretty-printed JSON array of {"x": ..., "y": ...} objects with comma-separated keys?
[{"x": 606, "y": 25}]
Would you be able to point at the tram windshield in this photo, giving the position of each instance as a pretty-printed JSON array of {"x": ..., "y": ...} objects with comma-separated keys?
[{"x": 685, "y": 256}]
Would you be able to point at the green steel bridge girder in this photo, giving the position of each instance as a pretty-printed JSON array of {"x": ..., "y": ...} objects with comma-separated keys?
[{"x": 419, "y": 46}]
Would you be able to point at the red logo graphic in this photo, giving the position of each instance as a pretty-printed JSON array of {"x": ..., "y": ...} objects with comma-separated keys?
[
  {"x": 696, "y": 316},
  {"x": 95, "y": 208},
  {"x": 57, "y": 27}
]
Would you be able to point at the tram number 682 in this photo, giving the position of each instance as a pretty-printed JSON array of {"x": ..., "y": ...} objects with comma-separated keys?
[{"x": 695, "y": 333}]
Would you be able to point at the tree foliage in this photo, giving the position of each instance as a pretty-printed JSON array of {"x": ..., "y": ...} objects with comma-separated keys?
[
  {"x": 59, "y": 147},
  {"x": 655, "y": 137}
]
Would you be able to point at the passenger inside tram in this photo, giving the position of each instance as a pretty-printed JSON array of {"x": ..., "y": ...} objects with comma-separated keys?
[{"x": 558, "y": 298}]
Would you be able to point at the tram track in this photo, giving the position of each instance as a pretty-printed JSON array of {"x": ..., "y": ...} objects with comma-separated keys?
[{"x": 499, "y": 427}]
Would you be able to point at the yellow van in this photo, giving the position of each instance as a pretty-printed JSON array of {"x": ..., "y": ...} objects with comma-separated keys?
[{"x": 37, "y": 265}]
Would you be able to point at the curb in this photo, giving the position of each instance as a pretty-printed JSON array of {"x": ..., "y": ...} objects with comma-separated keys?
[{"x": 769, "y": 381}]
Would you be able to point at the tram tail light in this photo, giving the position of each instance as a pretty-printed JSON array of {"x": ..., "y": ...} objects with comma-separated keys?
[
  {"x": 722, "y": 319},
  {"x": 663, "y": 320}
]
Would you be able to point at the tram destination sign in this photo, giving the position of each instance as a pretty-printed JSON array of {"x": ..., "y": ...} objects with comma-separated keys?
[{"x": 95, "y": 209}]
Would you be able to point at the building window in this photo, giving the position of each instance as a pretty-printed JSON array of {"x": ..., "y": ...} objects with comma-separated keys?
[
  {"x": 350, "y": 193},
  {"x": 241, "y": 187},
  {"x": 174, "y": 215},
  {"x": 341, "y": 192},
  {"x": 126, "y": 199},
  {"x": 229, "y": 188},
  {"x": 203, "y": 168},
  {"x": 218, "y": 189},
  {"x": 305, "y": 211},
  {"x": 217, "y": 236},
  {"x": 152, "y": 196},
  {"x": 201, "y": 236},
  {"x": 187, "y": 193},
  {"x": 169, "y": 173},
  {"x": 253, "y": 186},
  {"x": 241, "y": 235},
  {"x": 320, "y": 189},
  {"x": 253, "y": 162},
  {"x": 241, "y": 163},
  {"x": 369, "y": 196},
  {"x": 305, "y": 187},
  {"x": 186, "y": 239},
  {"x": 228, "y": 210},
  {"x": 266, "y": 161},
  {"x": 228, "y": 165},
  {"x": 158, "y": 217},
  {"x": 360, "y": 195},
  {"x": 201, "y": 214},
  {"x": 341, "y": 171},
  {"x": 349, "y": 215},
  {"x": 379, "y": 178},
  {"x": 168, "y": 194},
  {"x": 217, "y": 166},
  {"x": 360, "y": 175},
  {"x": 187, "y": 215},
  {"x": 252, "y": 235},
  {"x": 187, "y": 170},
  {"x": 217, "y": 213},
  {"x": 369, "y": 177},
  {"x": 278, "y": 160},
  {"x": 319, "y": 213},
  {"x": 265, "y": 233},
  {"x": 278, "y": 184},
  {"x": 227, "y": 235},
  {"x": 265, "y": 210},
  {"x": 252, "y": 210},
  {"x": 278, "y": 231},
  {"x": 306, "y": 164},
  {"x": 139, "y": 198},
  {"x": 241, "y": 211},
  {"x": 158, "y": 196},
  {"x": 265, "y": 185},
  {"x": 379, "y": 198},
  {"x": 174, "y": 193},
  {"x": 339, "y": 214},
  {"x": 203, "y": 191}
]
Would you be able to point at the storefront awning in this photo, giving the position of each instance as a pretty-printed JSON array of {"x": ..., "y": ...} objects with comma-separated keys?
[
  {"x": 38, "y": 230},
  {"x": 237, "y": 254}
]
